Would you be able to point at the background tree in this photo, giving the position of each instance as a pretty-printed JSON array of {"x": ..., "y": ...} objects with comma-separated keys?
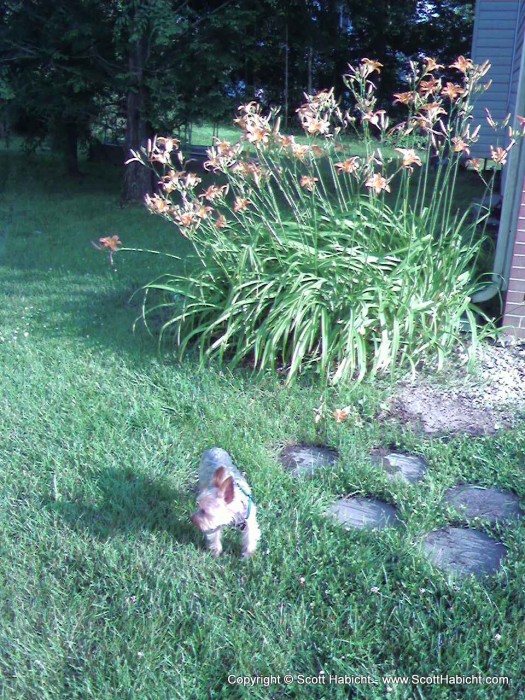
[
  {"x": 142, "y": 27},
  {"x": 164, "y": 64},
  {"x": 53, "y": 55},
  {"x": 177, "y": 69}
]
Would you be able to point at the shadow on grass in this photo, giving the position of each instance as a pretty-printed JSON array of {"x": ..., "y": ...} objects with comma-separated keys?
[
  {"x": 73, "y": 308},
  {"x": 130, "y": 503}
]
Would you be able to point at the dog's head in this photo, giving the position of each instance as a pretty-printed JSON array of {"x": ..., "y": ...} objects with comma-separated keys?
[{"x": 213, "y": 503}]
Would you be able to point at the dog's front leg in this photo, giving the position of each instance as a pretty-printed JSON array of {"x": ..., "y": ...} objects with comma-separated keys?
[
  {"x": 250, "y": 537},
  {"x": 214, "y": 541}
]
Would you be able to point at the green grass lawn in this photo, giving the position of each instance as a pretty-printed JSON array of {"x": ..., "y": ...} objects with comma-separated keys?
[{"x": 107, "y": 592}]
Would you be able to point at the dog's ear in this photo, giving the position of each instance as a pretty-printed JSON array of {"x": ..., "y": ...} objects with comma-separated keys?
[
  {"x": 218, "y": 476},
  {"x": 227, "y": 489}
]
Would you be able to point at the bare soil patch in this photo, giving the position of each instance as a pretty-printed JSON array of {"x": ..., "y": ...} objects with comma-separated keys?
[{"x": 480, "y": 402}]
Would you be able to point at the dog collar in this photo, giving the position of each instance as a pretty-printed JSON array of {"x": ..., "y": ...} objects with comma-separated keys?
[
  {"x": 250, "y": 500},
  {"x": 241, "y": 524}
]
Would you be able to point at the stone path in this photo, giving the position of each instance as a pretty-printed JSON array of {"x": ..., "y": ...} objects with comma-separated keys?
[
  {"x": 473, "y": 501},
  {"x": 364, "y": 513},
  {"x": 401, "y": 466},
  {"x": 306, "y": 459},
  {"x": 458, "y": 550},
  {"x": 464, "y": 551}
]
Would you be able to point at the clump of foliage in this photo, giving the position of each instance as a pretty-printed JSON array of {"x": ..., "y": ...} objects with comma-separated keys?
[{"x": 310, "y": 256}]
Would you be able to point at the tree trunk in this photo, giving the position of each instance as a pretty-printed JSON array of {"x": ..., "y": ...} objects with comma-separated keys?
[
  {"x": 309, "y": 64},
  {"x": 64, "y": 141},
  {"x": 138, "y": 180},
  {"x": 70, "y": 146}
]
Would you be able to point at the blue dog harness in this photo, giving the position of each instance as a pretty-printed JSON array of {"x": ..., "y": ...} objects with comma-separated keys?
[
  {"x": 241, "y": 524},
  {"x": 250, "y": 498}
]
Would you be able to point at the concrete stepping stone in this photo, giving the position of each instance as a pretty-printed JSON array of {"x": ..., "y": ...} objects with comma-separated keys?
[
  {"x": 409, "y": 468},
  {"x": 474, "y": 501},
  {"x": 306, "y": 459},
  {"x": 364, "y": 513},
  {"x": 464, "y": 551}
]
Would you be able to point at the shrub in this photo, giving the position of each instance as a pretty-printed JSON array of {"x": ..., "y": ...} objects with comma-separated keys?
[{"x": 310, "y": 256}]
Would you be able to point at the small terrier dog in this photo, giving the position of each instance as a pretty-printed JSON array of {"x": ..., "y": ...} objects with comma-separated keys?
[{"x": 225, "y": 499}]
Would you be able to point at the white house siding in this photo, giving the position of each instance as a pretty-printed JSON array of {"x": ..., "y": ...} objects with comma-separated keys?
[
  {"x": 515, "y": 298},
  {"x": 518, "y": 48},
  {"x": 499, "y": 31},
  {"x": 496, "y": 37}
]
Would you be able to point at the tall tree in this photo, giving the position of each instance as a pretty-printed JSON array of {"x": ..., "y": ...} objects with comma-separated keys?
[
  {"x": 53, "y": 54},
  {"x": 142, "y": 26},
  {"x": 444, "y": 28},
  {"x": 395, "y": 31},
  {"x": 171, "y": 62},
  {"x": 173, "y": 51}
]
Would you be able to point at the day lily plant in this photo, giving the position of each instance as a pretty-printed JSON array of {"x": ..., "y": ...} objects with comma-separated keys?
[{"x": 312, "y": 255}]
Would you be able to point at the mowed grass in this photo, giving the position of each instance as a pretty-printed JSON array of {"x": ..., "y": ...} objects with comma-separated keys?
[{"x": 107, "y": 591}]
